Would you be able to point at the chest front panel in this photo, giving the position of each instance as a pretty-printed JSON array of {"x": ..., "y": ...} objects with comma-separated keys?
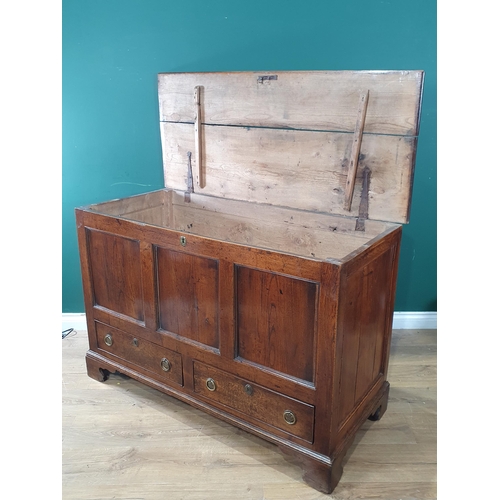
[{"x": 276, "y": 321}]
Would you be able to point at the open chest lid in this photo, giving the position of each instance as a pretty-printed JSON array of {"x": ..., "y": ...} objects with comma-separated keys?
[{"x": 338, "y": 142}]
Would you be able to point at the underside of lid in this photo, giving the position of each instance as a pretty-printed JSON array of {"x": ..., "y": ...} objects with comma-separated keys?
[{"x": 340, "y": 142}]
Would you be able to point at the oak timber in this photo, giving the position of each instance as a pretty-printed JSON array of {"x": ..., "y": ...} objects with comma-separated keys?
[
  {"x": 293, "y": 168},
  {"x": 317, "y": 100},
  {"x": 321, "y": 236}
]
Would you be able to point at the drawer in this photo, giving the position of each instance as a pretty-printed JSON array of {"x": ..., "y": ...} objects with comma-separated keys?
[
  {"x": 272, "y": 408},
  {"x": 164, "y": 363}
]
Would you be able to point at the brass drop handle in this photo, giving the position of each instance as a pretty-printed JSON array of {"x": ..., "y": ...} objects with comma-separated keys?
[
  {"x": 211, "y": 384},
  {"x": 165, "y": 365},
  {"x": 289, "y": 417},
  {"x": 108, "y": 339}
]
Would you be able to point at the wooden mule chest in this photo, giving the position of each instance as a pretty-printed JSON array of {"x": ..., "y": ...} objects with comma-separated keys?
[{"x": 259, "y": 284}]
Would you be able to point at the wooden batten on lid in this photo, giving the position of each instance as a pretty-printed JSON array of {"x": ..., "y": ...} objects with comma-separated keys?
[{"x": 338, "y": 142}]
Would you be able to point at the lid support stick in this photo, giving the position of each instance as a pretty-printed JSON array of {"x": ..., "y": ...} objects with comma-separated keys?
[
  {"x": 197, "y": 137},
  {"x": 356, "y": 146}
]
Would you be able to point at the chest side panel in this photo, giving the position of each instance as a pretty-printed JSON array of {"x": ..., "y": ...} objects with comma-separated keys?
[{"x": 366, "y": 306}]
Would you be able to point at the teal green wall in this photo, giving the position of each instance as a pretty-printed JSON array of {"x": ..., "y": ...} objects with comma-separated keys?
[{"x": 113, "y": 50}]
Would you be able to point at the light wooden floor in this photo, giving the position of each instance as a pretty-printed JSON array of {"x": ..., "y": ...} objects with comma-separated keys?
[{"x": 123, "y": 440}]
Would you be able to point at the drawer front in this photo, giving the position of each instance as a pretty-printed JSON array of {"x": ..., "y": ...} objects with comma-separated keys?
[
  {"x": 272, "y": 408},
  {"x": 162, "y": 362}
]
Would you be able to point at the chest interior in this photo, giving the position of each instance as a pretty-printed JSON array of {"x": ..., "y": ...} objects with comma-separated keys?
[{"x": 316, "y": 164}]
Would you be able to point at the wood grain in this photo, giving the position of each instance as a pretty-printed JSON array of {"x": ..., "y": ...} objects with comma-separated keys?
[
  {"x": 363, "y": 301},
  {"x": 272, "y": 228},
  {"x": 141, "y": 353},
  {"x": 188, "y": 289},
  {"x": 261, "y": 403},
  {"x": 291, "y": 168},
  {"x": 131, "y": 204},
  {"x": 109, "y": 255},
  {"x": 276, "y": 318},
  {"x": 313, "y": 235},
  {"x": 317, "y": 100},
  {"x": 356, "y": 146},
  {"x": 125, "y": 440},
  {"x": 295, "y": 139}
]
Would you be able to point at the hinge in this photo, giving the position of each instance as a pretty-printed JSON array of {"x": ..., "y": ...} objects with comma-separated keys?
[
  {"x": 266, "y": 78},
  {"x": 363, "y": 204},
  {"x": 190, "y": 184}
]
